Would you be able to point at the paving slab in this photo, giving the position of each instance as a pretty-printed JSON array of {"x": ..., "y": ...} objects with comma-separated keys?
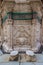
[
  {"x": 10, "y": 63},
  {"x": 39, "y": 57},
  {"x": 38, "y": 63},
  {"x": 27, "y": 63},
  {"x": 4, "y": 58}
]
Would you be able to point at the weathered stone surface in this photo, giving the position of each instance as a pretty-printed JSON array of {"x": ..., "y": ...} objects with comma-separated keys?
[{"x": 23, "y": 34}]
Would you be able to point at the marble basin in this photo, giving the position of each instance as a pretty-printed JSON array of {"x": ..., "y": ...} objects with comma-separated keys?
[
  {"x": 30, "y": 53},
  {"x": 14, "y": 53}
]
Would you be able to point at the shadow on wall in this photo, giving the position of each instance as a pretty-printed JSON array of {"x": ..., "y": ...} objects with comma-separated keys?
[
  {"x": 42, "y": 1},
  {"x": 40, "y": 50}
]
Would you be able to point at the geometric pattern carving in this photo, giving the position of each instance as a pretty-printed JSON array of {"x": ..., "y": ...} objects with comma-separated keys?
[{"x": 22, "y": 35}]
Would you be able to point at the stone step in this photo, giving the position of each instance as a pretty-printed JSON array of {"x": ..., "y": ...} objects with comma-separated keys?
[
  {"x": 31, "y": 63},
  {"x": 10, "y": 63},
  {"x": 27, "y": 63},
  {"x": 38, "y": 63},
  {"x": 5, "y": 58},
  {"x": 17, "y": 63}
]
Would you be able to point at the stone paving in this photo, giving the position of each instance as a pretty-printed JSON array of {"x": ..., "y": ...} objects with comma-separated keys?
[
  {"x": 17, "y": 63},
  {"x": 4, "y": 61}
]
